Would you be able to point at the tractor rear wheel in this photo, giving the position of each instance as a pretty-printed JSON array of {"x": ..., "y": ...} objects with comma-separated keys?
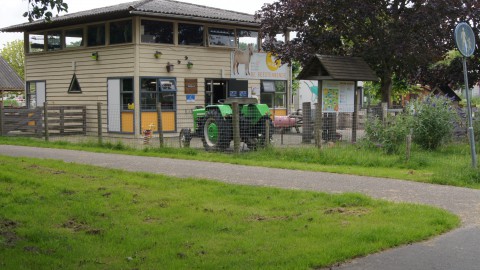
[{"x": 217, "y": 132}]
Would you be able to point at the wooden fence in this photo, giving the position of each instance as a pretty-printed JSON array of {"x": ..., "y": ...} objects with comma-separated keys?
[{"x": 43, "y": 121}]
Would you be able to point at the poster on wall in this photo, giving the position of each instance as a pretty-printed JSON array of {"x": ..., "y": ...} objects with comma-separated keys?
[
  {"x": 338, "y": 96},
  {"x": 263, "y": 66}
]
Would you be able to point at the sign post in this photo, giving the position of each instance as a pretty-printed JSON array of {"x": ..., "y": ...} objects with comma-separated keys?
[{"x": 465, "y": 40}]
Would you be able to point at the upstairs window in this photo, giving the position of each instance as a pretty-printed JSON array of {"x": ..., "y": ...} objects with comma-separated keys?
[
  {"x": 221, "y": 37},
  {"x": 74, "y": 38},
  {"x": 54, "y": 40},
  {"x": 36, "y": 42},
  {"x": 156, "y": 32},
  {"x": 245, "y": 37},
  {"x": 190, "y": 34},
  {"x": 121, "y": 32},
  {"x": 96, "y": 35}
]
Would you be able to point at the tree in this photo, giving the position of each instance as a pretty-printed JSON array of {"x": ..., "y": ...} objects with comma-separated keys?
[
  {"x": 392, "y": 36},
  {"x": 37, "y": 9},
  {"x": 13, "y": 52}
]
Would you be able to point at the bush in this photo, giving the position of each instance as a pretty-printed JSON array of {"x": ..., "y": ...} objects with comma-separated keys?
[
  {"x": 433, "y": 121},
  {"x": 390, "y": 136}
]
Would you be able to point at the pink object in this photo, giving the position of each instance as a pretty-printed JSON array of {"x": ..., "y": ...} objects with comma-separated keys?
[{"x": 284, "y": 122}]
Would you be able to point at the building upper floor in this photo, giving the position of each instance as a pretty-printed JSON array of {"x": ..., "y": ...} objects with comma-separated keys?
[{"x": 166, "y": 22}]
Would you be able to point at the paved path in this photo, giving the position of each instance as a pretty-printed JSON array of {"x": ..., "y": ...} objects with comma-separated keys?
[{"x": 459, "y": 249}]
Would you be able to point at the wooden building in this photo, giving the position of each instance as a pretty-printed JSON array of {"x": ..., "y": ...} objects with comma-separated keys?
[{"x": 131, "y": 56}]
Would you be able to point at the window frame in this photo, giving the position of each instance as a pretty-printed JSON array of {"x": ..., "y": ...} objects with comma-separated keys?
[
  {"x": 272, "y": 95},
  {"x": 108, "y": 32},
  {"x": 87, "y": 43},
  {"x": 256, "y": 46},
  {"x": 82, "y": 44},
  {"x": 43, "y": 33},
  {"x": 233, "y": 37},
  {"x": 174, "y": 32},
  {"x": 179, "y": 24}
]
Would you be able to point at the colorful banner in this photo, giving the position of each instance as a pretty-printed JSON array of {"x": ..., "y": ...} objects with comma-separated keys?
[
  {"x": 262, "y": 66},
  {"x": 338, "y": 96}
]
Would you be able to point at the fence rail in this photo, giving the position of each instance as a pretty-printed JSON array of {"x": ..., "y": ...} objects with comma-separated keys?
[{"x": 43, "y": 121}]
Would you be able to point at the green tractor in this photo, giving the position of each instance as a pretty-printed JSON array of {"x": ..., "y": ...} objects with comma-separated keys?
[{"x": 213, "y": 124}]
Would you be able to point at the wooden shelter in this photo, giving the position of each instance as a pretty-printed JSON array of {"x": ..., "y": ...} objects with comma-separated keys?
[{"x": 346, "y": 71}]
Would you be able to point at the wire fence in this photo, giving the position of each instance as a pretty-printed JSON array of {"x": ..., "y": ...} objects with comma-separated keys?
[{"x": 234, "y": 127}]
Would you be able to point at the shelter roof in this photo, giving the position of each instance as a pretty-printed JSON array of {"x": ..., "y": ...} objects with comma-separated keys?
[
  {"x": 344, "y": 68},
  {"x": 9, "y": 79}
]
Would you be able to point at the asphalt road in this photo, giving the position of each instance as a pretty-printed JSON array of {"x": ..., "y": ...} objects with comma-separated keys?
[{"x": 459, "y": 249}]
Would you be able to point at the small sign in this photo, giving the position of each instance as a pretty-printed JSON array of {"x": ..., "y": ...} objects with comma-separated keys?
[
  {"x": 190, "y": 98},
  {"x": 233, "y": 94},
  {"x": 465, "y": 39},
  {"x": 191, "y": 86}
]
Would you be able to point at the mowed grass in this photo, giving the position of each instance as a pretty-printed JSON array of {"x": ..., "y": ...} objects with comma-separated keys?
[
  {"x": 449, "y": 165},
  {"x": 56, "y": 215}
]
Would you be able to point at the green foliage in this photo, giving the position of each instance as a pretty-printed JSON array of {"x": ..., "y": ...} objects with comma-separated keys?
[
  {"x": 39, "y": 9},
  {"x": 58, "y": 215},
  {"x": 389, "y": 135},
  {"x": 433, "y": 121},
  {"x": 476, "y": 128},
  {"x": 400, "y": 88},
  {"x": 14, "y": 54},
  {"x": 10, "y": 103}
]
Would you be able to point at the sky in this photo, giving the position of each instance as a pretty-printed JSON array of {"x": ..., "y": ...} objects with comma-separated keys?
[{"x": 12, "y": 10}]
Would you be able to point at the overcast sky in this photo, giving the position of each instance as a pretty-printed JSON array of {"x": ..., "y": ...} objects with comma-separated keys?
[{"x": 12, "y": 10}]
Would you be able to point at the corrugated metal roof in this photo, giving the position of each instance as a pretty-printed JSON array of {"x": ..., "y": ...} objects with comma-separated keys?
[
  {"x": 9, "y": 79},
  {"x": 343, "y": 68},
  {"x": 162, "y": 8}
]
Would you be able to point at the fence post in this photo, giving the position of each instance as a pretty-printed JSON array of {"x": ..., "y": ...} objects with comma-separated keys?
[
  {"x": 307, "y": 122},
  {"x": 267, "y": 132},
  {"x": 1, "y": 118},
  {"x": 99, "y": 123},
  {"x": 160, "y": 124},
  {"x": 384, "y": 112},
  {"x": 236, "y": 127},
  {"x": 45, "y": 120},
  {"x": 62, "y": 120},
  {"x": 409, "y": 146},
  {"x": 355, "y": 114},
  {"x": 318, "y": 125}
]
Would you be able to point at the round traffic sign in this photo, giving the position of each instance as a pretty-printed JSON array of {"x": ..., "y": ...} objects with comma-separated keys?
[{"x": 465, "y": 39}]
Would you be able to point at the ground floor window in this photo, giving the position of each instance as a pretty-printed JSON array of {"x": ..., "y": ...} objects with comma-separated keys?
[
  {"x": 155, "y": 90},
  {"x": 35, "y": 94},
  {"x": 274, "y": 93}
]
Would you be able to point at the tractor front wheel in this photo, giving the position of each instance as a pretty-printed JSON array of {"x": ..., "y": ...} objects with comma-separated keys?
[{"x": 217, "y": 132}]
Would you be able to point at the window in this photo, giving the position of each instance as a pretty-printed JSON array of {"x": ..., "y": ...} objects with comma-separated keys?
[
  {"x": 221, "y": 37},
  {"x": 36, "y": 42},
  {"x": 54, "y": 41},
  {"x": 36, "y": 93},
  {"x": 155, "y": 91},
  {"x": 121, "y": 32},
  {"x": 148, "y": 94},
  {"x": 126, "y": 93},
  {"x": 190, "y": 34},
  {"x": 274, "y": 93},
  {"x": 245, "y": 37},
  {"x": 74, "y": 85},
  {"x": 74, "y": 38},
  {"x": 156, "y": 32},
  {"x": 96, "y": 35}
]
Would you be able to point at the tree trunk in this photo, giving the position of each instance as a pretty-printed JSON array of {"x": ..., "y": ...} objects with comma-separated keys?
[{"x": 386, "y": 88}]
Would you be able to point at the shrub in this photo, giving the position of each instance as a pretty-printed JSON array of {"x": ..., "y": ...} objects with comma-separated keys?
[
  {"x": 433, "y": 121},
  {"x": 391, "y": 135}
]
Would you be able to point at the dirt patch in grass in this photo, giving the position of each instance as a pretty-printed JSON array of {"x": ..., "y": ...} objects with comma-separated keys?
[
  {"x": 7, "y": 227},
  {"x": 347, "y": 211},
  {"x": 80, "y": 226}
]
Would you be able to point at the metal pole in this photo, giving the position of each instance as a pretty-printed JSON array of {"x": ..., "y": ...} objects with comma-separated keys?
[
  {"x": 469, "y": 113},
  {"x": 160, "y": 125},
  {"x": 45, "y": 120}
]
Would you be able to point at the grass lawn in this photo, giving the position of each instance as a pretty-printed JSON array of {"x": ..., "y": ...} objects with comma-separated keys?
[
  {"x": 450, "y": 165},
  {"x": 56, "y": 215}
]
